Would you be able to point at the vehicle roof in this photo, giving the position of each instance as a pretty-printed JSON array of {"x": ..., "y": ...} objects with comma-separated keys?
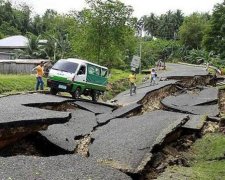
[{"x": 83, "y": 61}]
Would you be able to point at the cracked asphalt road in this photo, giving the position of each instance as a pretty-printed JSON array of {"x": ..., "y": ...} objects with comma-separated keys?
[
  {"x": 122, "y": 143},
  {"x": 17, "y": 110},
  {"x": 67, "y": 167},
  {"x": 126, "y": 143},
  {"x": 201, "y": 103},
  {"x": 63, "y": 135}
]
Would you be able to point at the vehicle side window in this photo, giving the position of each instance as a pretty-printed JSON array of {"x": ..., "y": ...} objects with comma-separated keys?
[
  {"x": 104, "y": 72},
  {"x": 82, "y": 70},
  {"x": 94, "y": 70},
  {"x": 97, "y": 71},
  {"x": 91, "y": 69}
]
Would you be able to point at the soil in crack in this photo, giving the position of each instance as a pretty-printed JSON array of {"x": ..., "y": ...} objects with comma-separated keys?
[{"x": 32, "y": 145}]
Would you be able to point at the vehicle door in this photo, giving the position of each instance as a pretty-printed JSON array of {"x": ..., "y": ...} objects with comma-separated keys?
[{"x": 81, "y": 74}]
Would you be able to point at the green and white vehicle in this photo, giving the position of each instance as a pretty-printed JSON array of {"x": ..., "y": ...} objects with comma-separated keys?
[{"x": 78, "y": 77}]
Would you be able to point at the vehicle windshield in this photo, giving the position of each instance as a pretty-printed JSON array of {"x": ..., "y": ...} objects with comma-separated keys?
[{"x": 65, "y": 66}]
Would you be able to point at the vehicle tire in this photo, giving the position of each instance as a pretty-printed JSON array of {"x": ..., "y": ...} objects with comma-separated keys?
[
  {"x": 53, "y": 91},
  {"x": 95, "y": 96},
  {"x": 76, "y": 94}
]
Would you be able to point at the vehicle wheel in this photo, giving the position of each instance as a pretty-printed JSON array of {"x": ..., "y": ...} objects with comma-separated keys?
[
  {"x": 53, "y": 91},
  {"x": 77, "y": 93},
  {"x": 95, "y": 96}
]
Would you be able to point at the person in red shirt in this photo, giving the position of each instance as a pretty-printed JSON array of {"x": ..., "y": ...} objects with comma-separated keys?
[{"x": 39, "y": 74}]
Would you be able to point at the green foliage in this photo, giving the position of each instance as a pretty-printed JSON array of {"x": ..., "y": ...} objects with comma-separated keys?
[
  {"x": 192, "y": 30},
  {"x": 106, "y": 27},
  {"x": 157, "y": 49},
  {"x": 164, "y": 26},
  {"x": 197, "y": 56},
  {"x": 17, "y": 83},
  {"x": 116, "y": 75},
  {"x": 7, "y": 30},
  {"x": 204, "y": 157},
  {"x": 215, "y": 33},
  {"x": 106, "y": 33}
]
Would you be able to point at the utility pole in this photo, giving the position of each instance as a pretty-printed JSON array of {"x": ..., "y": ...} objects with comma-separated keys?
[{"x": 140, "y": 48}]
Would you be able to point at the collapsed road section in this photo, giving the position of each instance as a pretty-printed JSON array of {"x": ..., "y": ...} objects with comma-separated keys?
[
  {"x": 121, "y": 142},
  {"x": 19, "y": 118}
]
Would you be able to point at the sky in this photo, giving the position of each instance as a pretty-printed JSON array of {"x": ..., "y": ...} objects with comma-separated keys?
[{"x": 141, "y": 7}]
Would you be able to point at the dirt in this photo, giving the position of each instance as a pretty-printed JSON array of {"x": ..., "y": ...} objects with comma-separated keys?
[
  {"x": 188, "y": 82},
  {"x": 83, "y": 146},
  {"x": 152, "y": 100},
  {"x": 59, "y": 107}
]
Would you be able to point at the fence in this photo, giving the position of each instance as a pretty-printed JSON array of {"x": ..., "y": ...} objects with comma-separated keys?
[{"x": 19, "y": 66}]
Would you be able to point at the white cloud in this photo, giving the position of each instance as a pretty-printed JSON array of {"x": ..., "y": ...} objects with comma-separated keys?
[
  {"x": 145, "y": 7},
  {"x": 141, "y": 7}
]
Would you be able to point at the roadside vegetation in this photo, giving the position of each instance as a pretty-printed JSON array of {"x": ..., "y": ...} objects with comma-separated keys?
[
  {"x": 16, "y": 83},
  {"x": 206, "y": 159}
]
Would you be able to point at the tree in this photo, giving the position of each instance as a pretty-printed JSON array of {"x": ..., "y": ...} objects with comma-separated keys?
[
  {"x": 165, "y": 26},
  {"x": 107, "y": 25},
  {"x": 33, "y": 49},
  {"x": 214, "y": 39},
  {"x": 192, "y": 30}
]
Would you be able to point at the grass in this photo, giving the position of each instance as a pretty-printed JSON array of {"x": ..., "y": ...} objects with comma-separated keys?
[
  {"x": 207, "y": 159},
  {"x": 117, "y": 75},
  {"x": 17, "y": 83}
]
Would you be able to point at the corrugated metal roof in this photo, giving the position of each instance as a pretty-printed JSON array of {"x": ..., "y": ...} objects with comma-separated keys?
[{"x": 14, "y": 42}]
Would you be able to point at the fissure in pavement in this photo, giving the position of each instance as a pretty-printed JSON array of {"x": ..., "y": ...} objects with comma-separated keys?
[{"x": 150, "y": 103}]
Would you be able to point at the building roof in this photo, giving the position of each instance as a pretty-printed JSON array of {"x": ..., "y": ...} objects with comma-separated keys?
[{"x": 14, "y": 42}]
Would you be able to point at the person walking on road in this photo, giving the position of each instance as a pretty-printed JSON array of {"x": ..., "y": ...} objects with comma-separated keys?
[
  {"x": 39, "y": 75},
  {"x": 153, "y": 77},
  {"x": 132, "y": 81}
]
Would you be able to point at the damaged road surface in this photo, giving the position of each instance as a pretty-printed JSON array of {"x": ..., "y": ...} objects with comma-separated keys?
[
  {"x": 86, "y": 140},
  {"x": 126, "y": 144},
  {"x": 20, "y": 115},
  {"x": 67, "y": 167},
  {"x": 198, "y": 103}
]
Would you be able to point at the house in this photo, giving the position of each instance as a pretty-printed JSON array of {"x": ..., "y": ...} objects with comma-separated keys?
[{"x": 10, "y": 44}]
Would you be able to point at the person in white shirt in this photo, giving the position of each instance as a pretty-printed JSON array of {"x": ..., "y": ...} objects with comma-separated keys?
[{"x": 153, "y": 77}]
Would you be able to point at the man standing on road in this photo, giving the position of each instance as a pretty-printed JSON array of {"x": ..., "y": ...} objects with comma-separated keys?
[
  {"x": 132, "y": 81},
  {"x": 153, "y": 77},
  {"x": 39, "y": 74}
]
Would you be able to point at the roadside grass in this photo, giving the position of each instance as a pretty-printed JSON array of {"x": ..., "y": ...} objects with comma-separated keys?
[
  {"x": 221, "y": 87},
  {"x": 206, "y": 157},
  {"x": 17, "y": 82}
]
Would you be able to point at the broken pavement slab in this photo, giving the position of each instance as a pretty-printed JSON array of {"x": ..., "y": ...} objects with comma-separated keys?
[
  {"x": 126, "y": 143},
  {"x": 201, "y": 103},
  {"x": 20, "y": 115},
  {"x": 195, "y": 122},
  {"x": 124, "y": 98},
  {"x": 81, "y": 123},
  {"x": 67, "y": 167},
  {"x": 96, "y": 108},
  {"x": 120, "y": 112},
  {"x": 205, "y": 96},
  {"x": 21, "y": 110}
]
